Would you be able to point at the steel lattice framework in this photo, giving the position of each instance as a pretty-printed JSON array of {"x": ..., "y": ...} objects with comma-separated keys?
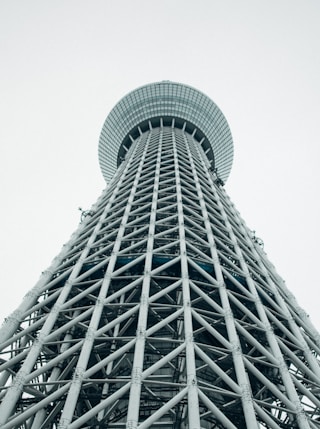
[{"x": 162, "y": 310}]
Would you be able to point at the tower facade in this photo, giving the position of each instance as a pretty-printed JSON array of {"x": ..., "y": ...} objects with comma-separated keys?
[{"x": 162, "y": 311}]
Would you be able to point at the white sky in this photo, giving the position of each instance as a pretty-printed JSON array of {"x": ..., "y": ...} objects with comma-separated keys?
[{"x": 65, "y": 63}]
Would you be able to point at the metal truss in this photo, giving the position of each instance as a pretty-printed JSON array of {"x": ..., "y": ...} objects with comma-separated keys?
[{"x": 162, "y": 311}]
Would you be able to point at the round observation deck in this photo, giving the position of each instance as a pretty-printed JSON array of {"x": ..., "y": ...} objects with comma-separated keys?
[{"x": 167, "y": 100}]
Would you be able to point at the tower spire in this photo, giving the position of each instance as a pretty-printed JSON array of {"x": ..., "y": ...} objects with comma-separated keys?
[{"x": 162, "y": 311}]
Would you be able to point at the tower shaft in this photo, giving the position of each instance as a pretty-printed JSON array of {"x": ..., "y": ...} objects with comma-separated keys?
[{"x": 162, "y": 311}]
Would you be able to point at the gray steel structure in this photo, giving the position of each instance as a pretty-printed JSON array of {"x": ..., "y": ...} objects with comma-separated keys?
[{"x": 162, "y": 311}]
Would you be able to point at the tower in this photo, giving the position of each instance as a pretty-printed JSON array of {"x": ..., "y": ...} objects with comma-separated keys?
[{"x": 162, "y": 311}]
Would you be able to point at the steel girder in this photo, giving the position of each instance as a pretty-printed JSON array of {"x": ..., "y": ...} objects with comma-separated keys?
[{"x": 161, "y": 311}]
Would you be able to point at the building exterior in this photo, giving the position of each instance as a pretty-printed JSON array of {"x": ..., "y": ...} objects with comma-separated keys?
[{"x": 162, "y": 311}]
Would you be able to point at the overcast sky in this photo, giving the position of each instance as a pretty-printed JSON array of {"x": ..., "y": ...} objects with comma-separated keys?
[{"x": 64, "y": 65}]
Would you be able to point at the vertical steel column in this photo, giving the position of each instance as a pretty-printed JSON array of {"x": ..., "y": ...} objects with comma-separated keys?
[
  {"x": 193, "y": 401},
  {"x": 135, "y": 389}
]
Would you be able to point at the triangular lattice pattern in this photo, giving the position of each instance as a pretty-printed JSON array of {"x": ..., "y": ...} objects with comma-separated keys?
[{"x": 162, "y": 311}]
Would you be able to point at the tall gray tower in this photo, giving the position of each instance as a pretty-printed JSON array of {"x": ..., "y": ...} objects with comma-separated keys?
[{"x": 162, "y": 311}]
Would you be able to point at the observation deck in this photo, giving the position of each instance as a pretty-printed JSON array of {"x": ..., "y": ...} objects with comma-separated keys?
[{"x": 143, "y": 108}]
